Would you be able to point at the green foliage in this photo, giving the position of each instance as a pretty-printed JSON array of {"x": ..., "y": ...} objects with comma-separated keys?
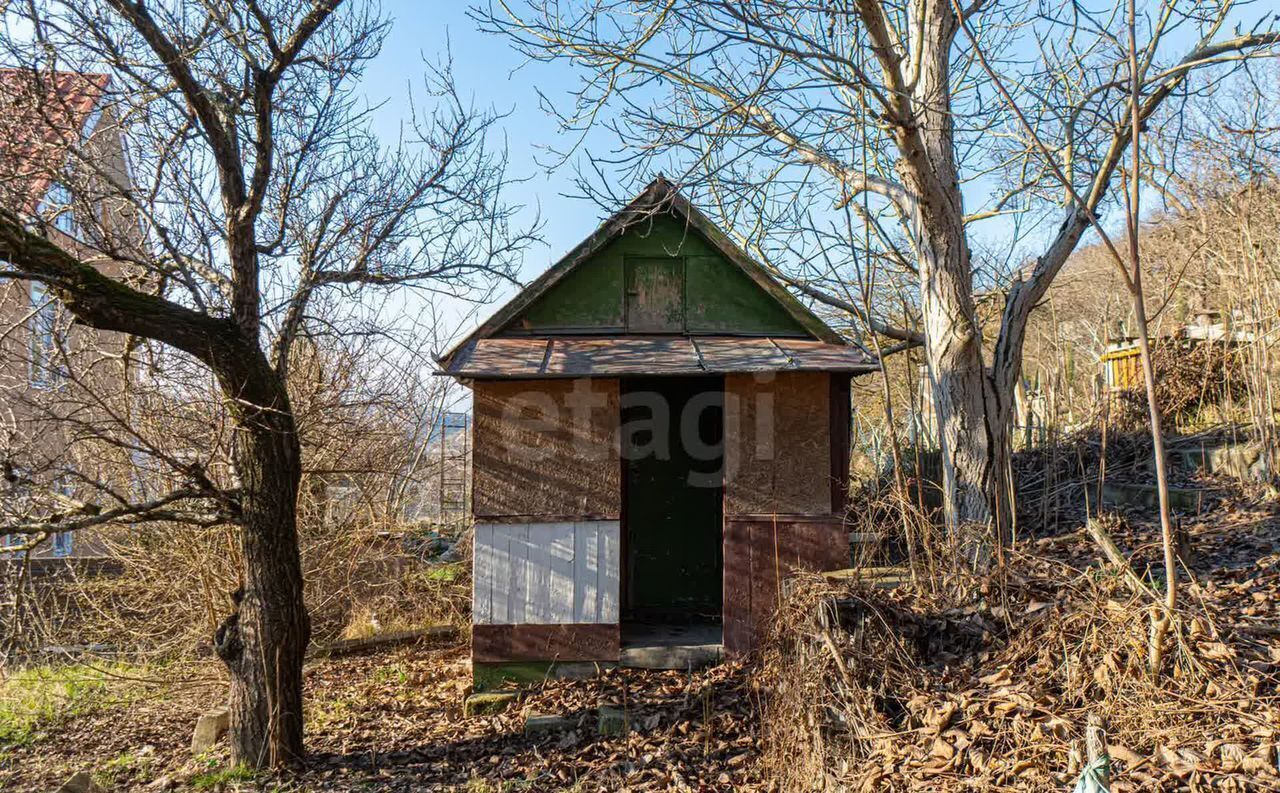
[
  {"x": 446, "y": 573},
  {"x": 223, "y": 777},
  {"x": 390, "y": 673},
  {"x": 324, "y": 713},
  {"x": 36, "y": 699},
  {"x": 136, "y": 766}
]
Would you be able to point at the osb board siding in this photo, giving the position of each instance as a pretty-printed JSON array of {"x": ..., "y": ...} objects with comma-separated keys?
[
  {"x": 777, "y": 443},
  {"x": 762, "y": 551},
  {"x": 545, "y": 573},
  {"x": 586, "y": 642},
  {"x": 546, "y": 447},
  {"x": 841, "y": 439}
]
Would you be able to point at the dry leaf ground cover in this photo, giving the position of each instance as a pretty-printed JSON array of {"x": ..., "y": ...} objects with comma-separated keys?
[
  {"x": 986, "y": 685},
  {"x": 392, "y": 720},
  {"x": 954, "y": 684}
]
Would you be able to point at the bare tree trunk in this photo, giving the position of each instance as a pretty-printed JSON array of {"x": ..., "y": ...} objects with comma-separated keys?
[
  {"x": 1161, "y": 618},
  {"x": 971, "y": 426},
  {"x": 264, "y": 640}
]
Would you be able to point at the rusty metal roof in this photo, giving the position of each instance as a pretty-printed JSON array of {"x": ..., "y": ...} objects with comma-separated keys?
[{"x": 561, "y": 356}]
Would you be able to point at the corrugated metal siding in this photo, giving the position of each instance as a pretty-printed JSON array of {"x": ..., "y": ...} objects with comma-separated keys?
[{"x": 546, "y": 573}]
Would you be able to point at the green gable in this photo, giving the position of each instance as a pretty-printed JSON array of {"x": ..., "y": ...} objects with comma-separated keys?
[{"x": 659, "y": 276}]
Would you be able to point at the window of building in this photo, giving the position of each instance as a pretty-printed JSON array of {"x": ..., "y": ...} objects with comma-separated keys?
[
  {"x": 14, "y": 501},
  {"x": 46, "y": 367},
  {"x": 56, "y": 209},
  {"x": 63, "y": 540}
]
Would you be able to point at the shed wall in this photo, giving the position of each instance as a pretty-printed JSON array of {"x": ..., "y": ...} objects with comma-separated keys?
[
  {"x": 715, "y": 295},
  {"x": 546, "y": 449},
  {"x": 561, "y": 573},
  {"x": 759, "y": 553},
  {"x": 507, "y": 643},
  {"x": 778, "y": 444}
]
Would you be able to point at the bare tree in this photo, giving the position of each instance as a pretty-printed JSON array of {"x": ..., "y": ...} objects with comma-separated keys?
[
  {"x": 1016, "y": 110},
  {"x": 262, "y": 198}
]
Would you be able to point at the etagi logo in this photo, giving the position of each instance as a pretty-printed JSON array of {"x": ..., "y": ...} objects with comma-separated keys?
[{"x": 709, "y": 430}]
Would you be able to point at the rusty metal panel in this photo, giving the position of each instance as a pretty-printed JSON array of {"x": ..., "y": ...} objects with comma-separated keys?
[
  {"x": 670, "y": 355},
  {"x": 546, "y": 448},
  {"x": 820, "y": 356},
  {"x": 501, "y": 358},
  {"x": 760, "y": 552},
  {"x": 731, "y": 354},
  {"x": 778, "y": 443}
]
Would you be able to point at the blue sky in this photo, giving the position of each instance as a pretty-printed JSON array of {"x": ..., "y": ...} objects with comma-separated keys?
[{"x": 487, "y": 71}]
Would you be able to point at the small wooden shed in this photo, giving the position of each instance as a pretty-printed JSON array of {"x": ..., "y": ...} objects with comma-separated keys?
[{"x": 661, "y": 432}]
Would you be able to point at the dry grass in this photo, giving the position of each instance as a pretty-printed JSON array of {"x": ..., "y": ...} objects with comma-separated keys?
[{"x": 986, "y": 685}]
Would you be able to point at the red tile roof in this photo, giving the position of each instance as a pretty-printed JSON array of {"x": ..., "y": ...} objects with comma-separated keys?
[{"x": 42, "y": 115}]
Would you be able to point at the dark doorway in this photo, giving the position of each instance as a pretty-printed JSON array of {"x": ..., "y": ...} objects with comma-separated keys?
[{"x": 673, "y": 485}]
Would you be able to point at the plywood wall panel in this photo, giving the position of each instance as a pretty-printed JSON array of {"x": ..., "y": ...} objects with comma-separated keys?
[
  {"x": 609, "y": 575},
  {"x": 737, "y": 585},
  {"x": 778, "y": 444},
  {"x": 555, "y": 573},
  {"x": 586, "y": 573},
  {"x": 546, "y": 448},
  {"x": 759, "y": 554},
  {"x": 841, "y": 411},
  {"x": 505, "y": 643}
]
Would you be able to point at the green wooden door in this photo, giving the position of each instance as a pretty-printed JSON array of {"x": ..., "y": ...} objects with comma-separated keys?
[
  {"x": 655, "y": 294},
  {"x": 673, "y": 457}
]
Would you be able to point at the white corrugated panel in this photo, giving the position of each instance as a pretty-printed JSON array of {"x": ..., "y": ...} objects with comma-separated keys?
[{"x": 546, "y": 573}]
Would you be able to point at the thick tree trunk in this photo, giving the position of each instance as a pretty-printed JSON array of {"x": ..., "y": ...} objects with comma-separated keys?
[
  {"x": 972, "y": 419},
  {"x": 264, "y": 640}
]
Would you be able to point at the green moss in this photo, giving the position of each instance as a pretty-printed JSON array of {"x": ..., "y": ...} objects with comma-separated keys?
[
  {"x": 487, "y": 703},
  {"x": 488, "y": 677},
  {"x": 493, "y": 676}
]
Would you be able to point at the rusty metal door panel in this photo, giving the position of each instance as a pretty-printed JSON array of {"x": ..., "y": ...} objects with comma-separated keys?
[{"x": 655, "y": 294}]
